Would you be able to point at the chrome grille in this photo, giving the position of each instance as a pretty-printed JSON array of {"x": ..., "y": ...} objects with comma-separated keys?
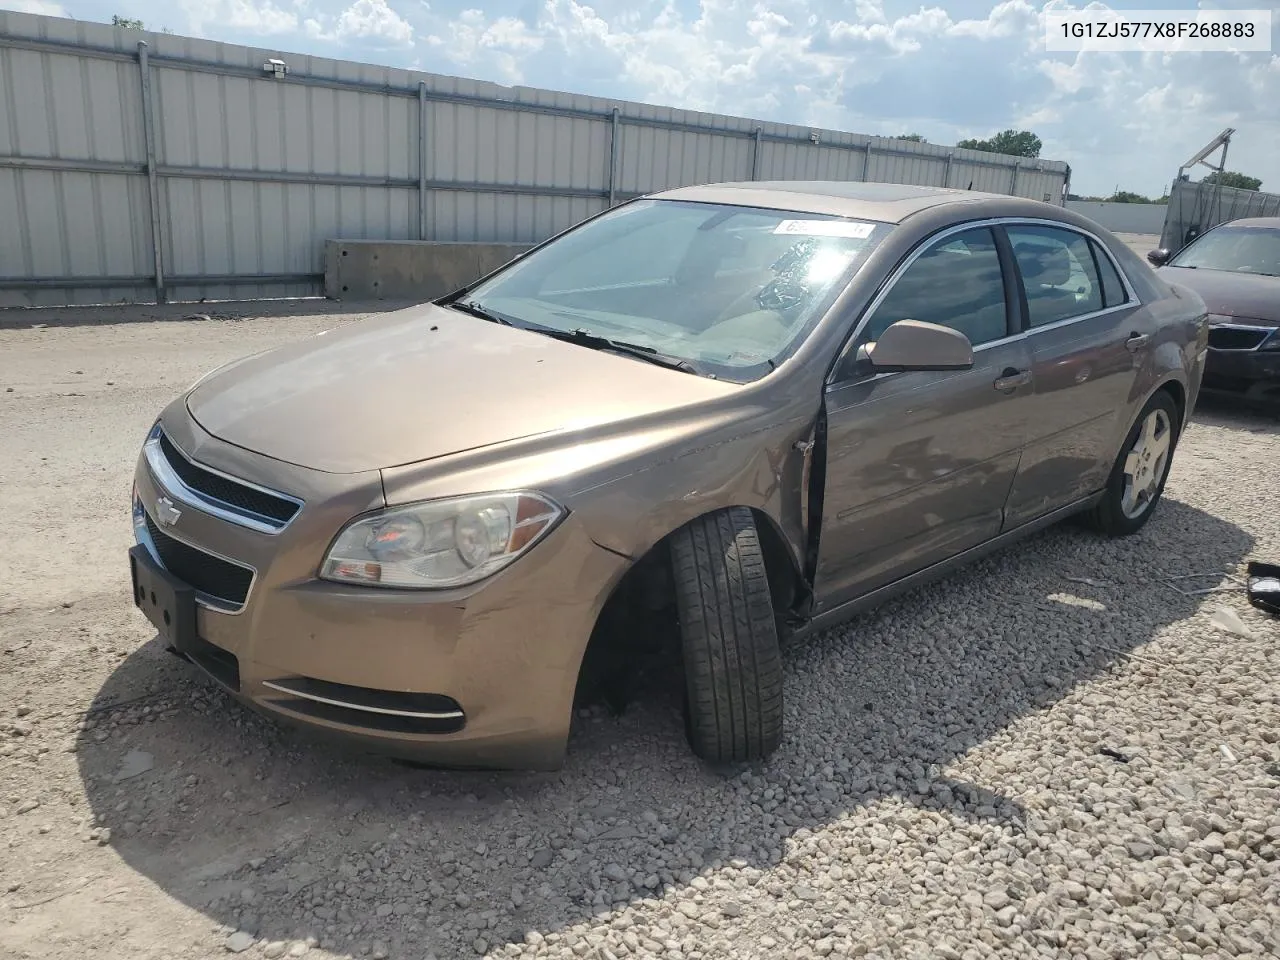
[
  {"x": 231, "y": 499},
  {"x": 212, "y": 576},
  {"x": 1237, "y": 338}
]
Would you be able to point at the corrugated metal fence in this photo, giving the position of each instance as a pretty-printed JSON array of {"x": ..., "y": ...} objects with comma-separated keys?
[
  {"x": 1195, "y": 207},
  {"x": 138, "y": 165}
]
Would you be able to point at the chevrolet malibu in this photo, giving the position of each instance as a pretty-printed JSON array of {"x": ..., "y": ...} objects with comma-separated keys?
[
  {"x": 760, "y": 406},
  {"x": 1235, "y": 268}
]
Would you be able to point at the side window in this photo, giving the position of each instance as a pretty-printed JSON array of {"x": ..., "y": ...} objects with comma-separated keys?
[
  {"x": 1057, "y": 271},
  {"x": 1113, "y": 293},
  {"x": 955, "y": 283}
]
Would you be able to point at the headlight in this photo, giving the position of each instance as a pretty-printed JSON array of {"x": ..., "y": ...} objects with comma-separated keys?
[{"x": 440, "y": 543}]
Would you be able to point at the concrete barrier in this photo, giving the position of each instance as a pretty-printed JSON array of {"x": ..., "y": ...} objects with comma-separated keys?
[
  {"x": 408, "y": 269},
  {"x": 1145, "y": 218}
]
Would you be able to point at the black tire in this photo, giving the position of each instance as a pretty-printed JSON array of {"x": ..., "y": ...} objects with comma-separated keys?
[
  {"x": 1108, "y": 517},
  {"x": 729, "y": 638}
]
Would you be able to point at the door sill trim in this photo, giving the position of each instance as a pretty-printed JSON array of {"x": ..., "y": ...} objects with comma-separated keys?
[{"x": 866, "y": 601}]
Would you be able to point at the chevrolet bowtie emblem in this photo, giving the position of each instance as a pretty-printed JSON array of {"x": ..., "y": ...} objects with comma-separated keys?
[{"x": 166, "y": 512}]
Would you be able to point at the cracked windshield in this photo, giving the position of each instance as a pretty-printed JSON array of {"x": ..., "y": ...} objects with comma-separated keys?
[{"x": 730, "y": 290}]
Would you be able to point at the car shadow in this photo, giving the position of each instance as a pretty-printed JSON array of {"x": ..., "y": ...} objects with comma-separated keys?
[{"x": 266, "y": 830}]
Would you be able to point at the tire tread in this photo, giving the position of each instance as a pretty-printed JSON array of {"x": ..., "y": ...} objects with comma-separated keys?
[{"x": 733, "y": 665}]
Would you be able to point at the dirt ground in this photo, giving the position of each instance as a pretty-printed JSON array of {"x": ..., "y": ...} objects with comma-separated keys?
[{"x": 945, "y": 789}]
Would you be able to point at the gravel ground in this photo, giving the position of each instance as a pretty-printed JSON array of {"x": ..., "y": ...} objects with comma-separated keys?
[{"x": 1054, "y": 753}]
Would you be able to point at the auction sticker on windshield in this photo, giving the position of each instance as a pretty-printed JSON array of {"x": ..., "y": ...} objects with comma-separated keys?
[{"x": 825, "y": 228}]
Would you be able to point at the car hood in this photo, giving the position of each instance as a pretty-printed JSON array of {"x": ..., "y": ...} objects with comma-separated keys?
[
  {"x": 1244, "y": 295},
  {"x": 424, "y": 383}
]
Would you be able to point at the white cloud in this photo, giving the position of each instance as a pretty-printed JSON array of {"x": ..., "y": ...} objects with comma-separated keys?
[
  {"x": 869, "y": 11},
  {"x": 40, "y": 7},
  {"x": 469, "y": 40},
  {"x": 373, "y": 20},
  {"x": 262, "y": 17}
]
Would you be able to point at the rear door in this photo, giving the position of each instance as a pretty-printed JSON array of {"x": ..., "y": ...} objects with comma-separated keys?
[
  {"x": 919, "y": 464},
  {"x": 1085, "y": 329}
]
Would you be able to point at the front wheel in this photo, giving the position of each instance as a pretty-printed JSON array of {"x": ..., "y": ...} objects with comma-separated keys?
[
  {"x": 1139, "y": 473},
  {"x": 729, "y": 637}
]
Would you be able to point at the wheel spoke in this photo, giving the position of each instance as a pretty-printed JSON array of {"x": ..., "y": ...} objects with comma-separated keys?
[
  {"x": 1129, "y": 498},
  {"x": 1148, "y": 431},
  {"x": 1159, "y": 445},
  {"x": 1131, "y": 464}
]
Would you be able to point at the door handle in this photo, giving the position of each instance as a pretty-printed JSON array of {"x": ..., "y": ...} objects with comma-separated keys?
[
  {"x": 1137, "y": 341},
  {"x": 1011, "y": 379}
]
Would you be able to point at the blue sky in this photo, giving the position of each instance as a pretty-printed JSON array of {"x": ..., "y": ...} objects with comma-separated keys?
[{"x": 947, "y": 70}]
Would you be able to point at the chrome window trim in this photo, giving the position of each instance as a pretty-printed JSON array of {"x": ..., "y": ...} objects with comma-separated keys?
[
  {"x": 206, "y": 600},
  {"x": 412, "y": 714},
  {"x": 164, "y": 474},
  {"x": 1132, "y": 300}
]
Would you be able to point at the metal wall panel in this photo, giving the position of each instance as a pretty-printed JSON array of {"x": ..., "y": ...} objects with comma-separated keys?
[
  {"x": 473, "y": 216},
  {"x": 1195, "y": 207},
  {"x": 250, "y": 174}
]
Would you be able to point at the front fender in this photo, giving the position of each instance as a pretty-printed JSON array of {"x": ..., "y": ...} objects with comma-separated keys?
[{"x": 762, "y": 470}]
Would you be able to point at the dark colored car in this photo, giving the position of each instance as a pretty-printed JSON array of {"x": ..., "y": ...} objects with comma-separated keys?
[{"x": 1235, "y": 267}]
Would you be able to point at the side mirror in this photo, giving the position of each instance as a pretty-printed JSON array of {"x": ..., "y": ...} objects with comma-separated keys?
[
  {"x": 916, "y": 345},
  {"x": 1158, "y": 258}
]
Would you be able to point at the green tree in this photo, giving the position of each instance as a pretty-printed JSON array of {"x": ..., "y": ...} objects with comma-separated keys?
[
  {"x": 1231, "y": 179},
  {"x": 913, "y": 137},
  {"x": 1127, "y": 196},
  {"x": 127, "y": 23},
  {"x": 1013, "y": 143}
]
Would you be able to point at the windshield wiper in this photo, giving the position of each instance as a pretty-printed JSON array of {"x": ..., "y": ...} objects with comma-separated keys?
[
  {"x": 474, "y": 309},
  {"x": 586, "y": 338}
]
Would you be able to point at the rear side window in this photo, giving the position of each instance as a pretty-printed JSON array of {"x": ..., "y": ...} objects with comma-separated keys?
[
  {"x": 1058, "y": 273},
  {"x": 1113, "y": 293},
  {"x": 957, "y": 282}
]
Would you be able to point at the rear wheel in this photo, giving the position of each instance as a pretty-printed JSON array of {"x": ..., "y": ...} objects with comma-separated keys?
[
  {"x": 1139, "y": 473},
  {"x": 729, "y": 637}
]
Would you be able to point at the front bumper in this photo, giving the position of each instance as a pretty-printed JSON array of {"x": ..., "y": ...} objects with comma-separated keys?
[
  {"x": 1238, "y": 360},
  {"x": 481, "y": 676}
]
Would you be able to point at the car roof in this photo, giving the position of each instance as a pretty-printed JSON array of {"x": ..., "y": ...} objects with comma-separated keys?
[
  {"x": 886, "y": 202},
  {"x": 1271, "y": 222}
]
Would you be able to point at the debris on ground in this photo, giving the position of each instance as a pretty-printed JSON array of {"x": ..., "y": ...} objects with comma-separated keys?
[
  {"x": 135, "y": 763},
  {"x": 1211, "y": 582},
  {"x": 1226, "y": 619},
  {"x": 1264, "y": 586}
]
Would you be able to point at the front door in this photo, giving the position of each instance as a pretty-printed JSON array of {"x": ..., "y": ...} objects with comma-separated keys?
[
  {"x": 1086, "y": 333},
  {"x": 919, "y": 464}
]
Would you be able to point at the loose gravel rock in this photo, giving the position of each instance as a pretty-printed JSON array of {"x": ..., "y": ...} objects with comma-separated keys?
[{"x": 1026, "y": 759}]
